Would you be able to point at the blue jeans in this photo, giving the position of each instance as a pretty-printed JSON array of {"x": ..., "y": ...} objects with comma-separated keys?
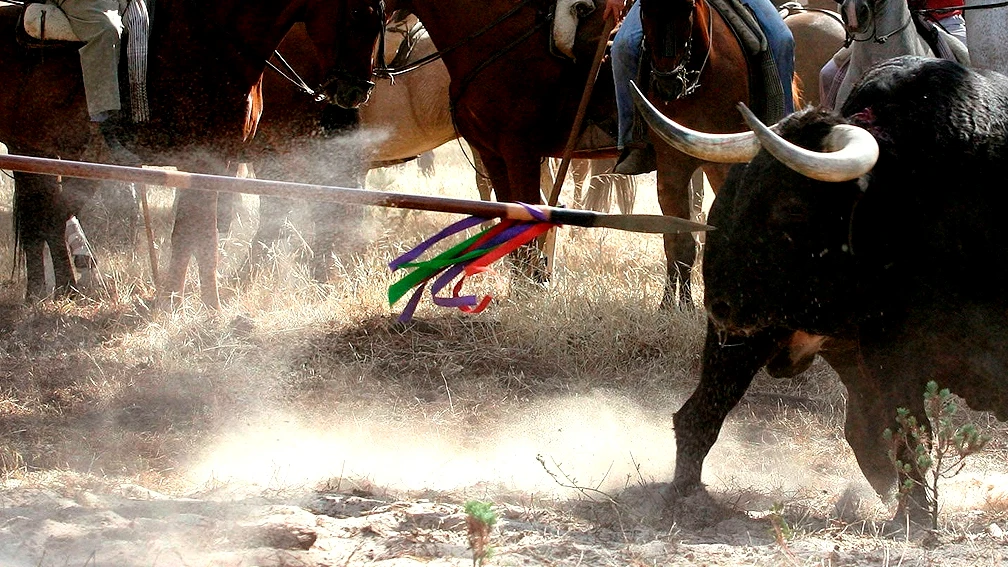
[{"x": 626, "y": 54}]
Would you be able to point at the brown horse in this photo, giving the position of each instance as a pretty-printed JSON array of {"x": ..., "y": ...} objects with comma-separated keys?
[
  {"x": 690, "y": 43},
  {"x": 511, "y": 99},
  {"x": 205, "y": 64},
  {"x": 717, "y": 56},
  {"x": 818, "y": 34}
]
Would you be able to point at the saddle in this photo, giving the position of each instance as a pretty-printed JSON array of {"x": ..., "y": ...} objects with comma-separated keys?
[
  {"x": 410, "y": 38},
  {"x": 45, "y": 26},
  {"x": 47, "y": 23}
]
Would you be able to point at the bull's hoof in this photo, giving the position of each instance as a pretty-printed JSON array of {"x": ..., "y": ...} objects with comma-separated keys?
[
  {"x": 661, "y": 506},
  {"x": 911, "y": 522}
]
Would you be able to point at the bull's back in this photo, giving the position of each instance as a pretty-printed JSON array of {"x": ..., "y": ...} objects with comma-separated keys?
[{"x": 937, "y": 188}]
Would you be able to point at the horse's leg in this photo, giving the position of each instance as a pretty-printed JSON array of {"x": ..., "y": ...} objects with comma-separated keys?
[
  {"x": 328, "y": 221},
  {"x": 227, "y": 204},
  {"x": 581, "y": 171},
  {"x": 674, "y": 197},
  {"x": 626, "y": 192},
  {"x": 523, "y": 175},
  {"x": 76, "y": 194},
  {"x": 483, "y": 183},
  {"x": 40, "y": 215},
  {"x": 28, "y": 231},
  {"x": 194, "y": 234},
  {"x": 272, "y": 213},
  {"x": 547, "y": 176},
  {"x": 64, "y": 279}
]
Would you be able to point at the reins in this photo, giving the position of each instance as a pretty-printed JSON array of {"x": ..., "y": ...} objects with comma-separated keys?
[
  {"x": 851, "y": 37},
  {"x": 793, "y": 8},
  {"x": 293, "y": 77},
  {"x": 388, "y": 73},
  {"x": 691, "y": 79}
]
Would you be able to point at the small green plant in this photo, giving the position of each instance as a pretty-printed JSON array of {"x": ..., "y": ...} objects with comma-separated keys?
[
  {"x": 780, "y": 529},
  {"x": 930, "y": 456},
  {"x": 480, "y": 519}
]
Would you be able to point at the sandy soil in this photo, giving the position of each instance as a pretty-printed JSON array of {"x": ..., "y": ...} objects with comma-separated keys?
[{"x": 303, "y": 427}]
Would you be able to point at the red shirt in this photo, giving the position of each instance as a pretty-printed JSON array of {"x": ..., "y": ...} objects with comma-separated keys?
[{"x": 937, "y": 4}]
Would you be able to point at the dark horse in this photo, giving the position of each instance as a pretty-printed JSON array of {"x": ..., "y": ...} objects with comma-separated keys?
[
  {"x": 514, "y": 102},
  {"x": 205, "y": 65}
]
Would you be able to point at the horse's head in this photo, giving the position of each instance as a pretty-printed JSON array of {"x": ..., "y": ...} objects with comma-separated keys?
[
  {"x": 668, "y": 39},
  {"x": 344, "y": 33},
  {"x": 858, "y": 15}
]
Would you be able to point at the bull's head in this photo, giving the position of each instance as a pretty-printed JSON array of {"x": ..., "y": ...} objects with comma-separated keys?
[{"x": 782, "y": 253}]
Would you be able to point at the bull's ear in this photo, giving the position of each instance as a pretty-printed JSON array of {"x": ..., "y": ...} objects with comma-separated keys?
[
  {"x": 717, "y": 148},
  {"x": 850, "y": 151}
]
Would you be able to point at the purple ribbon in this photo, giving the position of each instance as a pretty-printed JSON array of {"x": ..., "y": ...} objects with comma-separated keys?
[{"x": 419, "y": 249}]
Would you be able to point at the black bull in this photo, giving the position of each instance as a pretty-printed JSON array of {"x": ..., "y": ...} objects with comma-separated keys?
[{"x": 903, "y": 266}]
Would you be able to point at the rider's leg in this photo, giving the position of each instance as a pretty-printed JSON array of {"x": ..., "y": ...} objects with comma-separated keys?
[
  {"x": 781, "y": 44},
  {"x": 636, "y": 155},
  {"x": 98, "y": 24},
  {"x": 826, "y": 77},
  {"x": 626, "y": 54},
  {"x": 955, "y": 25}
]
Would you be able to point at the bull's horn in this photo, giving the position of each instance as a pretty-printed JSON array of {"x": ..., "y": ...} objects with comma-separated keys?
[
  {"x": 851, "y": 151},
  {"x": 718, "y": 148}
]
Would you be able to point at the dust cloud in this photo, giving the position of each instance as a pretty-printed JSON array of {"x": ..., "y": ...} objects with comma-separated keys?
[
  {"x": 596, "y": 439},
  {"x": 600, "y": 440}
]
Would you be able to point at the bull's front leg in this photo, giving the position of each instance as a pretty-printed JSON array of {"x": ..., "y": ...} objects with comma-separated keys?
[{"x": 728, "y": 369}]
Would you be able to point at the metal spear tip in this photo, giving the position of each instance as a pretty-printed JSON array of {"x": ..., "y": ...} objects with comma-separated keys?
[{"x": 653, "y": 224}]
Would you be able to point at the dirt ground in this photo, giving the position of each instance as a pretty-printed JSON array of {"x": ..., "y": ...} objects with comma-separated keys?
[{"x": 303, "y": 426}]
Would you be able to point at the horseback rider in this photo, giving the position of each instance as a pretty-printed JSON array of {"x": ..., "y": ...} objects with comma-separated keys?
[
  {"x": 98, "y": 24},
  {"x": 637, "y": 156}
]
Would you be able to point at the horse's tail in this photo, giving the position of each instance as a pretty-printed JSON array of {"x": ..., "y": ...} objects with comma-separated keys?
[{"x": 797, "y": 91}]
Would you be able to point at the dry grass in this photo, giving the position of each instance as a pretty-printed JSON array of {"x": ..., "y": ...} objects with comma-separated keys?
[{"x": 108, "y": 388}]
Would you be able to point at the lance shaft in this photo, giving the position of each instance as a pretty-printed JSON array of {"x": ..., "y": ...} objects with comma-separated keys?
[{"x": 205, "y": 182}]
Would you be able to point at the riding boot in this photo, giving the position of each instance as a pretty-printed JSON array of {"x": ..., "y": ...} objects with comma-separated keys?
[
  {"x": 635, "y": 160},
  {"x": 111, "y": 133}
]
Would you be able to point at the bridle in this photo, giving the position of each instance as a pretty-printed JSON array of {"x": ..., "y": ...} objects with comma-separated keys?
[
  {"x": 686, "y": 80},
  {"x": 291, "y": 75},
  {"x": 875, "y": 37},
  {"x": 388, "y": 73}
]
